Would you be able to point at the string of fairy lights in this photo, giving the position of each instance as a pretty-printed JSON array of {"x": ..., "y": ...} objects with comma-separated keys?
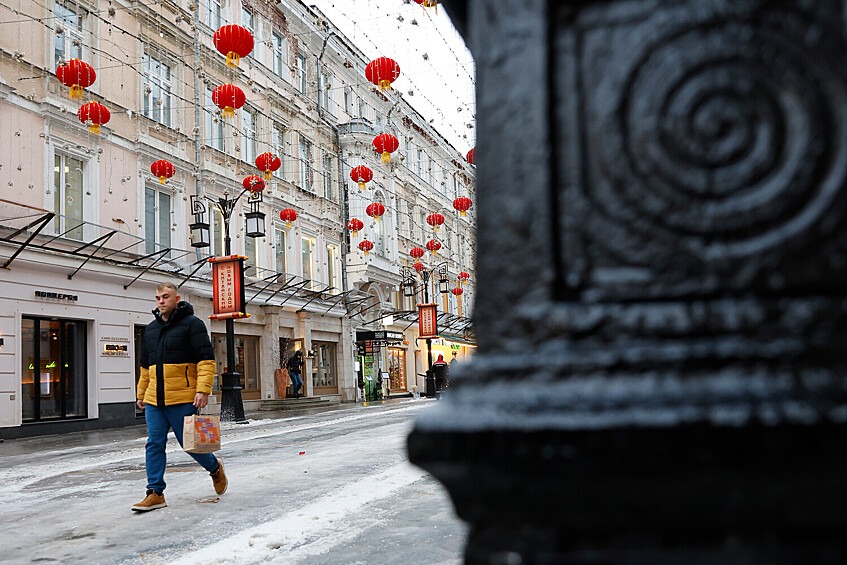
[{"x": 111, "y": 55}]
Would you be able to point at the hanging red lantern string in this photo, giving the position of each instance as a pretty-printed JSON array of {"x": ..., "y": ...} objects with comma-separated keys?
[
  {"x": 253, "y": 183},
  {"x": 366, "y": 246},
  {"x": 228, "y": 98},
  {"x": 417, "y": 253},
  {"x": 163, "y": 170},
  {"x": 288, "y": 215},
  {"x": 462, "y": 204},
  {"x": 268, "y": 163},
  {"x": 457, "y": 292},
  {"x": 76, "y": 74},
  {"x": 361, "y": 175},
  {"x": 471, "y": 156},
  {"x": 435, "y": 220},
  {"x": 419, "y": 267},
  {"x": 375, "y": 210},
  {"x": 354, "y": 225},
  {"x": 234, "y": 41},
  {"x": 95, "y": 115},
  {"x": 433, "y": 245},
  {"x": 382, "y": 72},
  {"x": 386, "y": 144},
  {"x": 464, "y": 276}
]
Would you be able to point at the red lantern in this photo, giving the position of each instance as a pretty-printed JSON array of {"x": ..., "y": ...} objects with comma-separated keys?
[
  {"x": 419, "y": 267},
  {"x": 366, "y": 246},
  {"x": 417, "y": 253},
  {"x": 77, "y": 75},
  {"x": 354, "y": 225},
  {"x": 435, "y": 220},
  {"x": 462, "y": 204},
  {"x": 95, "y": 115},
  {"x": 375, "y": 210},
  {"x": 228, "y": 98},
  {"x": 433, "y": 245},
  {"x": 471, "y": 157},
  {"x": 361, "y": 174},
  {"x": 382, "y": 72},
  {"x": 254, "y": 183},
  {"x": 233, "y": 41},
  {"x": 457, "y": 291},
  {"x": 162, "y": 169},
  {"x": 268, "y": 163},
  {"x": 386, "y": 144},
  {"x": 464, "y": 276},
  {"x": 288, "y": 215}
]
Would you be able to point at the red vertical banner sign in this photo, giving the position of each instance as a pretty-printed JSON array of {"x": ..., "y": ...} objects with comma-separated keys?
[
  {"x": 228, "y": 287},
  {"x": 427, "y": 321}
]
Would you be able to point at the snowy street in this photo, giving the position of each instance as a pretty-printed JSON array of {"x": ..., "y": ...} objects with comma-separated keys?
[{"x": 330, "y": 487}]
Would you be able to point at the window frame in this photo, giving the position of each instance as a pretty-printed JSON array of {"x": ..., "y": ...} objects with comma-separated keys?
[
  {"x": 61, "y": 198},
  {"x": 249, "y": 134},
  {"x": 158, "y": 230},
  {"x": 165, "y": 114},
  {"x": 304, "y": 158}
]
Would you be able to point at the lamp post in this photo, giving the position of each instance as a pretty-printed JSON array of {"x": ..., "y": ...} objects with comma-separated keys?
[
  {"x": 409, "y": 284},
  {"x": 232, "y": 406}
]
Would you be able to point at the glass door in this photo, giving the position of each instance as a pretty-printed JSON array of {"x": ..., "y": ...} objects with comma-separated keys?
[{"x": 53, "y": 376}]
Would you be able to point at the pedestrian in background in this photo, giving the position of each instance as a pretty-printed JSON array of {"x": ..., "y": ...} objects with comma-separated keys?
[
  {"x": 295, "y": 369},
  {"x": 453, "y": 362},
  {"x": 177, "y": 371}
]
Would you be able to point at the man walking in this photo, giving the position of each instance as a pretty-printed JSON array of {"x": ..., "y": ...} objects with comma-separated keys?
[{"x": 177, "y": 370}]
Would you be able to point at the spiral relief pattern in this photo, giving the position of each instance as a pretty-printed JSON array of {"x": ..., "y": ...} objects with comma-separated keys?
[{"x": 729, "y": 136}]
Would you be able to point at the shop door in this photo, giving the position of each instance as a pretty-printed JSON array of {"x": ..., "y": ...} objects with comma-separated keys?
[
  {"x": 324, "y": 368},
  {"x": 397, "y": 369},
  {"x": 53, "y": 376}
]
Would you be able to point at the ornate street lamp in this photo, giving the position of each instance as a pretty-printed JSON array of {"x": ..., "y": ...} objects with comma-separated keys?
[
  {"x": 232, "y": 406},
  {"x": 409, "y": 288}
]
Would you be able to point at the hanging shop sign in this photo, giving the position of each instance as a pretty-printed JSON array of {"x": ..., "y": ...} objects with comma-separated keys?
[
  {"x": 381, "y": 337},
  {"x": 427, "y": 321},
  {"x": 228, "y": 287}
]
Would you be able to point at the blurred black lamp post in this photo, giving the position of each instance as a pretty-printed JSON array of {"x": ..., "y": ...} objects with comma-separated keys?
[
  {"x": 232, "y": 407},
  {"x": 409, "y": 287}
]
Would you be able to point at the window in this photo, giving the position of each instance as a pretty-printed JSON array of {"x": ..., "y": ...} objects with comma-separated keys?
[
  {"x": 218, "y": 245},
  {"x": 324, "y": 86},
  {"x": 281, "y": 147},
  {"x": 67, "y": 196},
  {"x": 332, "y": 266},
  {"x": 305, "y": 158},
  {"x": 430, "y": 172},
  {"x": 157, "y": 90},
  {"x": 348, "y": 100},
  {"x": 246, "y": 363},
  {"x": 247, "y": 20},
  {"x": 419, "y": 161},
  {"x": 280, "y": 259},
  {"x": 280, "y": 45},
  {"x": 302, "y": 77},
  {"x": 157, "y": 220},
  {"x": 68, "y": 44},
  {"x": 324, "y": 373},
  {"x": 329, "y": 185},
  {"x": 307, "y": 248},
  {"x": 422, "y": 225},
  {"x": 214, "y": 126},
  {"x": 248, "y": 135},
  {"x": 252, "y": 260},
  {"x": 210, "y": 13},
  {"x": 378, "y": 230}
]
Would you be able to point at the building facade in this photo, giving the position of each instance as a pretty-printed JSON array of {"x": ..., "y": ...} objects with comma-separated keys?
[{"x": 87, "y": 231}]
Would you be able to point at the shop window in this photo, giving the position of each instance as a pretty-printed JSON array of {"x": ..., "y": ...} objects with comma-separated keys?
[
  {"x": 246, "y": 363},
  {"x": 397, "y": 369},
  {"x": 324, "y": 373},
  {"x": 54, "y": 373}
]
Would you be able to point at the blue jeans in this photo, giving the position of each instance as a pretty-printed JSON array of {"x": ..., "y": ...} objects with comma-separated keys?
[
  {"x": 159, "y": 421},
  {"x": 296, "y": 382}
]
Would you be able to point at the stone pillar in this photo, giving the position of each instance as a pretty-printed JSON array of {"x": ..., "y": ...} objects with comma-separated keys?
[
  {"x": 270, "y": 358},
  {"x": 661, "y": 312},
  {"x": 304, "y": 328}
]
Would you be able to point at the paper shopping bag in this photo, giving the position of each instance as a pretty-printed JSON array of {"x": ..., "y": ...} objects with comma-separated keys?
[{"x": 201, "y": 433}]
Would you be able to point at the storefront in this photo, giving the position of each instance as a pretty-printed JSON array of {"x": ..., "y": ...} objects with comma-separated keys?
[{"x": 376, "y": 356}]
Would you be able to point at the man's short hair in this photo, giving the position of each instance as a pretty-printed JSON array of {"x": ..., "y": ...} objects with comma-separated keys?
[{"x": 168, "y": 285}]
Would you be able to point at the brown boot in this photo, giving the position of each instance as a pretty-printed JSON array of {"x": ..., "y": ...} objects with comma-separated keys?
[
  {"x": 152, "y": 501},
  {"x": 219, "y": 478}
]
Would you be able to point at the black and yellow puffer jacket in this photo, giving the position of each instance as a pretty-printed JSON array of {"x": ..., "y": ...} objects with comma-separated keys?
[{"x": 178, "y": 350}]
